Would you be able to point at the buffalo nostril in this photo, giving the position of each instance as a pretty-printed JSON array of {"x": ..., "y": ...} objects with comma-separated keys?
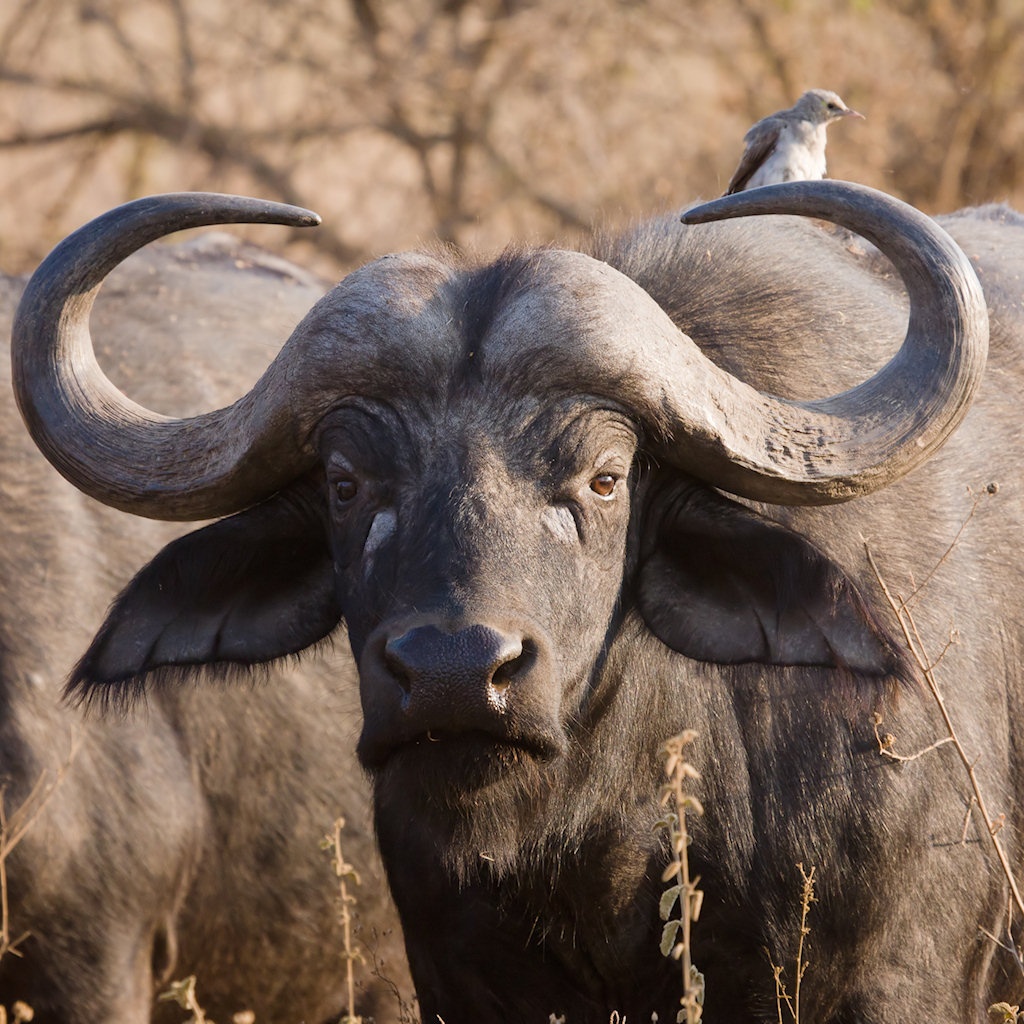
[
  {"x": 476, "y": 659},
  {"x": 396, "y": 664},
  {"x": 516, "y": 661}
]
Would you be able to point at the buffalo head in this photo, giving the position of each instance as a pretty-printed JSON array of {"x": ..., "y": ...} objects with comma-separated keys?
[{"x": 446, "y": 457}]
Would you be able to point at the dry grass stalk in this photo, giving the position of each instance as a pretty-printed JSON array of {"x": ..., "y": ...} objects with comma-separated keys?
[
  {"x": 21, "y": 1013},
  {"x": 993, "y": 824},
  {"x": 1004, "y": 1013},
  {"x": 407, "y": 1012},
  {"x": 8, "y": 840},
  {"x": 183, "y": 993},
  {"x": 346, "y": 873},
  {"x": 782, "y": 995},
  {"x": 683, "y": 894},
  {"x": 13, "y": 830}
]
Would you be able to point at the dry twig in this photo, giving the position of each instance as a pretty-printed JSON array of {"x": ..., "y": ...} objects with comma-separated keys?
[{"x": 915, "y": 645}]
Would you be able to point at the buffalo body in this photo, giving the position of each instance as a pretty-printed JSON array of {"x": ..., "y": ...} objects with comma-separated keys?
[
  {"x": 185, "y": 838},
  {"x": 537, "y": 595}
]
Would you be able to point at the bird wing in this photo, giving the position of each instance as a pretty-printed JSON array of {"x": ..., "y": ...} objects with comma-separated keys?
[{"x": 760, "y": 141}]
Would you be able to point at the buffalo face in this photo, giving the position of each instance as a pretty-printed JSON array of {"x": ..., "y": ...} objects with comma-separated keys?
[{"x": 479, "y": 551}]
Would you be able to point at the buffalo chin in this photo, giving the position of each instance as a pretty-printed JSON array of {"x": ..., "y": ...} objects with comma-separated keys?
[{"x": 469, "y": 795}]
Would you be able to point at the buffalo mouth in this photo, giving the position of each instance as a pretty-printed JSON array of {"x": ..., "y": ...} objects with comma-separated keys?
[{"x": 473, "y": 753}]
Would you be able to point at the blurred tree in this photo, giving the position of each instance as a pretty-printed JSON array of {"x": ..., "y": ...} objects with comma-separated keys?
[
  {"x": 974, "y": 152},
  {"x": 479, "y": 121},
  {"x": 283, "y": 99}
]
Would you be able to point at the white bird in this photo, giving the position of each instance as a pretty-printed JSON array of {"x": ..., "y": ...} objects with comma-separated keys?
[{"x": 790, "y": 144}]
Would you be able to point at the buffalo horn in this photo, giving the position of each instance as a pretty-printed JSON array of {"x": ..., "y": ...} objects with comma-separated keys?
[
  {"x": 833, "y": 449},
  {"x": 105, "y": 444}
]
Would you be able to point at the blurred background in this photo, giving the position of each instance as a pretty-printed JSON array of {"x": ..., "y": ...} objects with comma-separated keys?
[{"x": 483, "y": 121}]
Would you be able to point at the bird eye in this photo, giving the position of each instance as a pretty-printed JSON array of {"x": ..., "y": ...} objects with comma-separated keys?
[
  {"x": 603, "y": 485},
  {"x": 345, "y": 488}
]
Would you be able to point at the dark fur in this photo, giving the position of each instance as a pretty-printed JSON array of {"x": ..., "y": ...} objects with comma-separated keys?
[
  {"x": 521, "y": 845},
  {"x": 184, "y": 836}
]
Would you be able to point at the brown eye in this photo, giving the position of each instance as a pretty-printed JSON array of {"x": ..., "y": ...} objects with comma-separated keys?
[
  {"x": 603, "y": 485},
  {"x": 345, "y": 488}
]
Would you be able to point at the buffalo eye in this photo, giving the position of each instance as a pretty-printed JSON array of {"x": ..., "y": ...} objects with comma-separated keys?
[
  {"x": 345, "y": 489},
  {"x": 603, "y": 485}
]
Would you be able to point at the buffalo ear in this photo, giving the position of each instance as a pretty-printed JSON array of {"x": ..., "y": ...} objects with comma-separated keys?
[
  {"x": 248, "y": 589},
  {"x": 719, "y": 583}
]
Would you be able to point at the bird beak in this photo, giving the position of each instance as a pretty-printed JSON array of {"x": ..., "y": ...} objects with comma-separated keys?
[{"x": 854, "y": 113}]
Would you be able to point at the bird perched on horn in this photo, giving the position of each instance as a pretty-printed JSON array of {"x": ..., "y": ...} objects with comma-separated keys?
[{"x": 789, "y": 145}]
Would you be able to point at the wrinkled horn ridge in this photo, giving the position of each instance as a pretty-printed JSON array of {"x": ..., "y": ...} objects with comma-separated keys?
[
  {"x": 834, "y": 449},
  {"x": 107, "y": 445}
]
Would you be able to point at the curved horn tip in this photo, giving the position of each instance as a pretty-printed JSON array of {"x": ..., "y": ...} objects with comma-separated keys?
[
  {"x": 202, "y": 209},
  {"x": 750, "y": 201},
  {"x": 268, "y": 210},
  {"x": 712, "y": 210},
  {"x": 300, "y": 217}
]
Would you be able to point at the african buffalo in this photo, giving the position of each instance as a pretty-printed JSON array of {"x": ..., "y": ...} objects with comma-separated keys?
[
  {"x": 506, "y": 480},
  {"x": 185, "y": 839}
]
